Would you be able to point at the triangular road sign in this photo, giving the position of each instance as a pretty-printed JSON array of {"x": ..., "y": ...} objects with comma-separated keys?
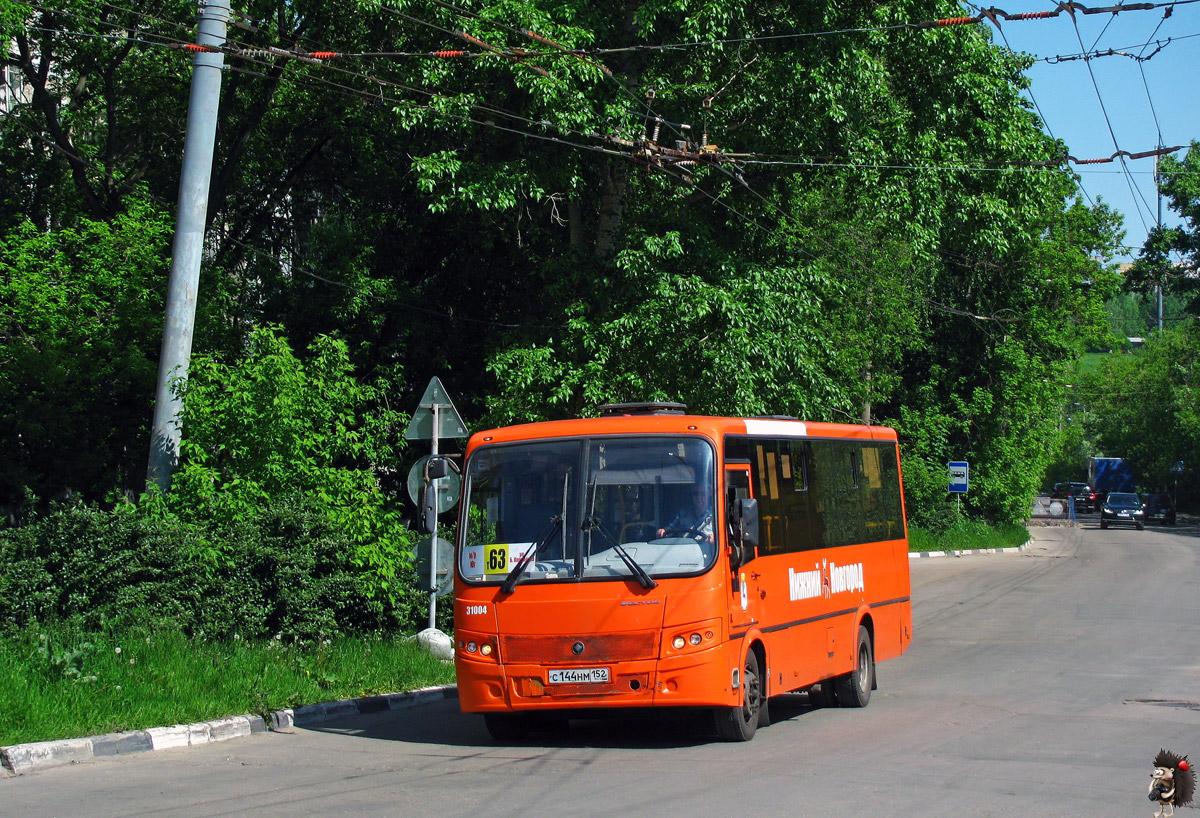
[{"x": 449, "y": 422}]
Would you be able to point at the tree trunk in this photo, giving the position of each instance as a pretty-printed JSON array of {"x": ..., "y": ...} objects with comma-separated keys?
[{"x": 612, "y": 207}]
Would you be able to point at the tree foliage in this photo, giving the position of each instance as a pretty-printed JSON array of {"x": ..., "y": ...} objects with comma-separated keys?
[
  {"x": 82, "y": 310},
  {"x": 880, "y": 251},
  {"x": 269, "y": 426},
  {"x": 1145, "y": 406},
  {"x": 1155, "y": 267}
]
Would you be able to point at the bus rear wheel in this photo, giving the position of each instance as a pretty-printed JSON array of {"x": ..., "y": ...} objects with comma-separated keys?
[
  {"x": 854, "y": 689},
  {"x": 740, "y": 723}
]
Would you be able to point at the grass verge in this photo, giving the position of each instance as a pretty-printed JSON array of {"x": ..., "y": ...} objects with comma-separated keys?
[
  {"x": 59, "y": 683},
  {"x": 967, "y": 535}
]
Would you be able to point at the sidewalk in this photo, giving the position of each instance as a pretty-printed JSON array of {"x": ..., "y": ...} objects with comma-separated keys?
[{"x": 20, "y": 759}]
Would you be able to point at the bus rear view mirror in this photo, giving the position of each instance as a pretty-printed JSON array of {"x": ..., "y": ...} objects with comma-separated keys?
[
  {"x": 428, "y": 511},
  {"x": 437, "y": 468},
  {"x": 747, "y": 511}
]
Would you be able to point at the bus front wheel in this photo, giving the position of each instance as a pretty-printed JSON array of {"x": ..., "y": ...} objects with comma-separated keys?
[
  {"x": 740, "y": 723},
  {"x": 507, "y": 727},
  {"x": 854, "y": 689}
]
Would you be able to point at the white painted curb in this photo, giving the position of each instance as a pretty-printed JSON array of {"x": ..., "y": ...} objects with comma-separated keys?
[
  {"x": 966, "y": 552},
  {"x": 20, "y": 759}
]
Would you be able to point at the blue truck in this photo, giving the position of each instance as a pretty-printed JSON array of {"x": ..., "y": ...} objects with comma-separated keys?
[{"x": 1107, "y": 474}]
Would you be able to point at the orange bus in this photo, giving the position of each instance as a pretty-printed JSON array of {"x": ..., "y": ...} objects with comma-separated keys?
[{"x": 652, "y": 558}]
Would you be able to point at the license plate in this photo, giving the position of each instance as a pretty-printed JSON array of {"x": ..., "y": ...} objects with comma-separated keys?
[{"x": 578, "y": 676}]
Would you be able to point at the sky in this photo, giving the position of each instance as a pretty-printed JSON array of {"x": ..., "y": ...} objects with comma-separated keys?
[{"x": 1132, "y": 105}]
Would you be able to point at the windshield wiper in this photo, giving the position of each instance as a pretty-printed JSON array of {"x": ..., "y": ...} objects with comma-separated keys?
[
  {"x": 638, "y": 571},
  {"x": 510, "y": 581}
]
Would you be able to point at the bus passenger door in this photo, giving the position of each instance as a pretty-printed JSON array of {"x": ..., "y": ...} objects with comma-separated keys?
[{"x": 742, "y": 610}]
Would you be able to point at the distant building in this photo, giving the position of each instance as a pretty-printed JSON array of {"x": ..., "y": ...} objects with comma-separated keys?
[{"x": 14, "y": 90}]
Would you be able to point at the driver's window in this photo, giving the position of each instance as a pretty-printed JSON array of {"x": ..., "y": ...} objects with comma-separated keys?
[
  {"x": 737, "y": 487},
  {"x": 737, "y": 484}
]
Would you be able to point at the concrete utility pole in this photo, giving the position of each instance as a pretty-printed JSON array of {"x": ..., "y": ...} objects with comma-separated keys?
[
  {"x": 1158, "y": 193},
  {"x": 190, "y": 217}
]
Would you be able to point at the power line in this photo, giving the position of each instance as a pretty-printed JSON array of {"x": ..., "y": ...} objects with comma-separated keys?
[
  {"x": 992, "y": 15},
  {"x": 269, "y": 53},
  {"x": 1045, "y": 122},
  {"x": 1133, "y": 189},
  {"x": 1015, "y": 164},
  {"x": 521, "y": 54},
  {"x": 250, "y": 55},
  {"x": 1146, "y": 84},
  {"x": 1123, "y": 51},
  {"x": 319, "y": 57}
]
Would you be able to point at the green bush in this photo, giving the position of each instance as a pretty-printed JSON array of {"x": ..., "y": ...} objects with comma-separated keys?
[
  {"x": 965, "y": 535},
  {"x": 285, "y": 569},
  {"x": 271, "y": 426},
  {"x": 76, "y": 562},
  {"x": 276, "y": 522}
]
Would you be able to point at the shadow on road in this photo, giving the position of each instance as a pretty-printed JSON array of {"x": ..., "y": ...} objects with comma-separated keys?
[{"x": 443, "y": 724}]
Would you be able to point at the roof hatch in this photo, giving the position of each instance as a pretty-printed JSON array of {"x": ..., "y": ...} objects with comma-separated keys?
[{"x": 649, "y": 408}]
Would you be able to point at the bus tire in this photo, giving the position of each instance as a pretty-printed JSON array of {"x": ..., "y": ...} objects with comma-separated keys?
[
  {"x": 740, "y": 723},
  {"x": 507, "y": 727},
  {"x": 854, "y": 689}
]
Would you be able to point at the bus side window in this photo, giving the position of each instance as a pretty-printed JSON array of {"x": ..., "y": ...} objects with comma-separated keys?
[
  {"x": 802, "y": 534},
  {"x": 772, "y": 517}
]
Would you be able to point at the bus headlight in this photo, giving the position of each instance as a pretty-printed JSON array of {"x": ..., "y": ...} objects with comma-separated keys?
[{"x": 693, "y": 637}]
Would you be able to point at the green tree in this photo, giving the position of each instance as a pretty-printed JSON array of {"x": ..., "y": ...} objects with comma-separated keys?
[
  {"x": 995, "y": 379},
  {"x": 79, "y": 330},
  {"x": 269, "y": 426},
  {"x": 1155, "y": 266},
  {"x": 877, "y": 251},
  {"x": 1145, "y": 406}
]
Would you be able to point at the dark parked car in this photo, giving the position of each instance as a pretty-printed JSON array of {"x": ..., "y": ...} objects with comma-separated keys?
[
  {"x": 1159, "y": 507},
  {"x": 1122, "y": 508},
  {"x": 1085, "y": 498}
]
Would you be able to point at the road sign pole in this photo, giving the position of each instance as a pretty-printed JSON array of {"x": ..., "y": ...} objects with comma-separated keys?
[
  {"x": 433, "y": 566},
  {"x": 435, "y": 418}
]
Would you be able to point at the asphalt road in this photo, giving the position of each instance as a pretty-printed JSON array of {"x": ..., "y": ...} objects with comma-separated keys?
[{"x": 1038, "y": 683}]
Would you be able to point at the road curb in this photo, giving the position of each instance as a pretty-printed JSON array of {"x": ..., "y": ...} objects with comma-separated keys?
[
  {"x": 20, "y": 759},
  {"x": 316, "y": 713},
  {"x": 914, "y": 555}
]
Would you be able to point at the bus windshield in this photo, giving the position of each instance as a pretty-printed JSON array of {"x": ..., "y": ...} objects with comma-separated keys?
[{"x": 595, "y": 508}]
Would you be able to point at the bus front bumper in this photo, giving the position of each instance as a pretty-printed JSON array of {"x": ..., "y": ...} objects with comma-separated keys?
[{"x": 700, "y": 679}]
